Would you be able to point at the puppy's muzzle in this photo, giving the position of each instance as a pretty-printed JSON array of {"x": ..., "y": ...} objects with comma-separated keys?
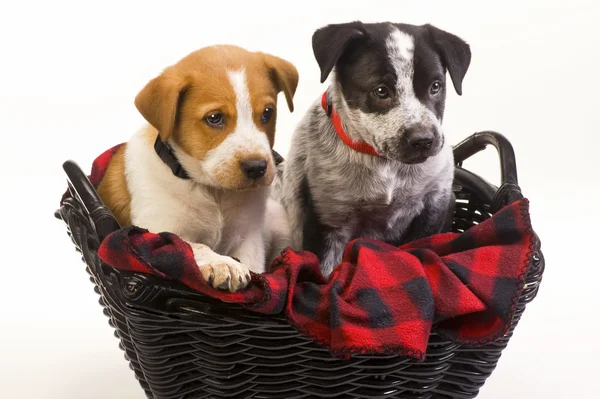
[
  {"x": 418, "y": 143},
  {"x": 254, "y": 169}
]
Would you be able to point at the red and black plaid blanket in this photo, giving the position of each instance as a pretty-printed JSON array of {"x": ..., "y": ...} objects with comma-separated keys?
[{"x": 380, "y": 299}]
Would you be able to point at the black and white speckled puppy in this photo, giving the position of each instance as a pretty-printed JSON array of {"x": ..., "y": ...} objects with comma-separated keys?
[{"x": 386, "y": 171}]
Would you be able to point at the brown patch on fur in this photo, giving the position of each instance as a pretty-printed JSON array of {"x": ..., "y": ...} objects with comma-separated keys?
[
  {"x": 113, "y": 188},
  {"x": 284, "y": 74},
  {"x": 266, "y": 77},
  {"x": 211, "y": 93},
  {"x": 159, "y": 100}
]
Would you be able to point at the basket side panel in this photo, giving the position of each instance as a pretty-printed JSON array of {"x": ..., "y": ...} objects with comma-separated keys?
[{"x": 83, "y": 236}]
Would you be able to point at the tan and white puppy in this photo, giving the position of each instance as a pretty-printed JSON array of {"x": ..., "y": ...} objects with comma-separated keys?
[{"x": 216, "y": 109}]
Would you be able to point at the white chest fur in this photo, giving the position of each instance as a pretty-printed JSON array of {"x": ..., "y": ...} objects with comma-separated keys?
[{"x": 162, "y": 202}]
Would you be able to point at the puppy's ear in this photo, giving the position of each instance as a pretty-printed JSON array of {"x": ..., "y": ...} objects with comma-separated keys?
[
  {"x": 159, "y": 102},
  {"x": 285, "y": 76},
  {"x": 330, "y": 42},
  {"x": 455, "y": 54}
]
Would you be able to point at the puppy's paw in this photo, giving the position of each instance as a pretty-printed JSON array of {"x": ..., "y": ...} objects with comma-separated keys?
[
  {"x": 221, "y": 272},
  {"x": 226, "y": 274}
]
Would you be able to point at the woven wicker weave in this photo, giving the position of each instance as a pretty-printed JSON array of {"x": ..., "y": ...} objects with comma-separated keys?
[{"x": 181, "y": 344}]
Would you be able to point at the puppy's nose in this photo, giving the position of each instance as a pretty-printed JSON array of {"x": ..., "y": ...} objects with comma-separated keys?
[
  {"x": 254, "y": 169},
  {"x": 419, "y": 137},
  {"x": 422, "y": 143}
]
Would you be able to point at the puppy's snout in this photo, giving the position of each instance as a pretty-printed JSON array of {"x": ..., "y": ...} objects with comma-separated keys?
[
  {"x": 416, "y": 143},
  {"x": 255, "y": 168}
]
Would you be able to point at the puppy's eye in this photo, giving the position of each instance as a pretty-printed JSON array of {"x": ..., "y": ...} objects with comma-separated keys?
[
  {"x": 214, "y": 119},
  {"x": 266, "y": 115},
  {"x": 381, "y": 92},
  {"x": 435, "y": 88}
]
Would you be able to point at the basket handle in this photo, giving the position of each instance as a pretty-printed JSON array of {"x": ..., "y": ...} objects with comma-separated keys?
[
  {"x": 509, "y": 190},
  {"x": 81, "y": 187}
]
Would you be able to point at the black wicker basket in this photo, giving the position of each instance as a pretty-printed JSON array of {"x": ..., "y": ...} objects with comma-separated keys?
[{"x": 181, "y": 344}]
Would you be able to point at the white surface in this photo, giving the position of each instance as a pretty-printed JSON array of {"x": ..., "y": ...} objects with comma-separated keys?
[{"x": 68, "y": 77}]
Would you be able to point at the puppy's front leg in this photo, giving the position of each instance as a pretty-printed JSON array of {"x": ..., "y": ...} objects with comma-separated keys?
[
  {"x": 334, "y": 246},
  {"x": 251, "y": 250},
  {"x": 435, "y": 218},
  {"x": 221, "y": 272},
  {"x": 277, "y": 232},
  {"x": 294, "y": 216}
]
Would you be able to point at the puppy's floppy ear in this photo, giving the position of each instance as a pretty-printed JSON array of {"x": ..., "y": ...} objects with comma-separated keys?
[
  {"x": 455, "y": 53},
  {"x": 330, "y": 42},
  {"x": 159, "y": 101},
  {"x": 285, "y": 75}
]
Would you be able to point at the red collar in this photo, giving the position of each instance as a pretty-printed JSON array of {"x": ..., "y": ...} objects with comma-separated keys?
[{"x": 339, "y": 129}]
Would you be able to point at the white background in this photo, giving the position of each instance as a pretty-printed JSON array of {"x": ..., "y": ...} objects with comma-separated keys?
[{"x": 69, "y": 73}]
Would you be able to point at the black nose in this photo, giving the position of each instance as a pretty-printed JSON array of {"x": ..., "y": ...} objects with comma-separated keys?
[
  {"x": 419, "y": 137},
  {"x": 254, "y": 169},
  {"x": 424, "y": 143}
]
